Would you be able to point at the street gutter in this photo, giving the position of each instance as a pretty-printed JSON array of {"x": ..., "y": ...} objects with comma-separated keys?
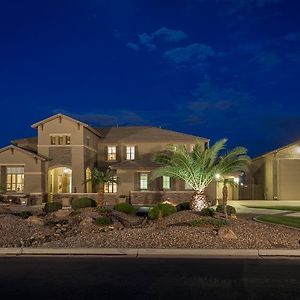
[{"x": 130, "y": 252}]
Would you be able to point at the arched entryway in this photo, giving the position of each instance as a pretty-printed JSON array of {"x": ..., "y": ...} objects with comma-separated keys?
[{"x": 60, "y": 180}]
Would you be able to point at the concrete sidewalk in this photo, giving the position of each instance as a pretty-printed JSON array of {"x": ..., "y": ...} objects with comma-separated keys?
[{"x": 254, "y": 253}]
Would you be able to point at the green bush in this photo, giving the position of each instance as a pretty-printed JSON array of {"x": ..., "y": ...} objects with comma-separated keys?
[
  {"x": 52, "y": 206},
  {"x": 208, "y": 212},
  {"x": 209, "y": 221},
  {"x": 161, "y": 209},
  {"x": 103, "y": 221},
  {"x": 125, "y": 208},
  {"x": 230, "y": 209},
  {"x": 24, "y": 214},
  {"x": 83, "y": 202},
  {"x": 183, "y": 206}
]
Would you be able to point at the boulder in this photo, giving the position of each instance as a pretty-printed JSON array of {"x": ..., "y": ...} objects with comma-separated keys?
[
  {"x": 226, "y": 233},
  {"x": 34, "y": 220},
  {"x": 61, "y": 214},
  {"x": 87, "y": 221}
]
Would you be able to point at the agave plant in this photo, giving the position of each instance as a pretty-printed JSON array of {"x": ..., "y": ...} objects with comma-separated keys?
[
  {"x": 199, "y": 167},
  {"x": 100, "y": 178}
]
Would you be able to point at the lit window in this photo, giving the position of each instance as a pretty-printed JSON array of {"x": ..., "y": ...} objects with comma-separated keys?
[
  {"x": 166, "y": 182},
  {"x": 52, "y": 139},
  {"x": 15, "y": 179},
  {"x": 111, "y": 153},
  {"x": 187, "y": 186},
  {"x": 130, "y": 152},
  {"x": 60, "y": 140},
  {"x": 144, "y": 181},
  {"x": 68, "y": 140},
  {"x": 110, "y": 187}
]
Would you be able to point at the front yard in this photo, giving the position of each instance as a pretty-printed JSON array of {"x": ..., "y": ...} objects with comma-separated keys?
[{"x": 94, "y": 227}]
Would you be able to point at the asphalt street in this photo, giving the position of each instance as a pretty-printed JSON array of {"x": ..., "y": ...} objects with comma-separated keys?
[{"x": 148, "y": 278}]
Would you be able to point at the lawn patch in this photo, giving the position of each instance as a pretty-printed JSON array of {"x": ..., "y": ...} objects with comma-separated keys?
[
  {"x": 281, "y": 207},
  {"x": 283, "y": 220}
]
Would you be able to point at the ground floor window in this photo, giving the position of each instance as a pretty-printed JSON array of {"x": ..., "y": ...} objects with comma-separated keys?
[
  {"x": 143, "y": 181},
  {"x": 166, "y": 182},
  {"x": 110, "y": 187},
  {"x": 15, "y": 179}
]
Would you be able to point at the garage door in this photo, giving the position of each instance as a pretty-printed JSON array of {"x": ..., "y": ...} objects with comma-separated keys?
[{"x": 289, "y": 179}]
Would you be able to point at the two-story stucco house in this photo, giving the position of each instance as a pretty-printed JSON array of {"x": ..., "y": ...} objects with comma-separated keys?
[{"x": 55, "y": 163}]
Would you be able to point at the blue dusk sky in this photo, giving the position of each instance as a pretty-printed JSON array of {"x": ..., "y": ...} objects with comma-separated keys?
[{"x": 212, "y": 68}]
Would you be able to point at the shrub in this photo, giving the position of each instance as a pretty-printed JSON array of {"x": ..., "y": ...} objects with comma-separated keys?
[
  {"x": 103, "y": 221},
  {"x": 125, "y": 208},
  {"x": 209, "y": 221},
  {"x": 52, "y": 206},
  {"x": 161, "y": 209},
  {"x": 208, "y": 212},
  {"x": 183, "y": 206},
  {"x": 24, "y": 214},
  {"x": 83, "y": 202},
  {"x": 230, "y": 209}
]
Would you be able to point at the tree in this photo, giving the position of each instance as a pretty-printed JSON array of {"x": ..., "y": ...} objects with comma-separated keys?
[
  {"x": 99, "y": 178},
  {"x": 199, "y": 167},
  {"x": 226, "y": 182}
]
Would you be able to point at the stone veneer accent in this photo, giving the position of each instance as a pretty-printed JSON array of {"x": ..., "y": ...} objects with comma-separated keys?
[{"x": 60, "y": 156}]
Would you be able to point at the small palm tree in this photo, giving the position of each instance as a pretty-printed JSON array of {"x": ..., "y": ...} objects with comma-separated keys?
[
  {"x": 100, "y": 178},
  {"x": 199, "y": 167},
  {"x": 226, "y": 182}
]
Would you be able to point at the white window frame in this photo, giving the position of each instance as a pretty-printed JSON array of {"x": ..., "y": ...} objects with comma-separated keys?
[
  {"x": 143, "y": 181},
  {"x": 130, "y": 152},
  {"x": 166, "y": 182},
  {"x": 15, "y": 177}
]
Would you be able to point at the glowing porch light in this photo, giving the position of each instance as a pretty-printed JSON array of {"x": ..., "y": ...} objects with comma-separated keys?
[{"x": 218, "y": 176}]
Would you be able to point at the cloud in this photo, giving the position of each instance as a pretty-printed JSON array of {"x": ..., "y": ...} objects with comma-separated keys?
[
  {"x": 133, "y": 46},
  {"x": 267, "y": 60},
  {"x": 191, "y": 53},
  {"x": 292, "y": 37}
]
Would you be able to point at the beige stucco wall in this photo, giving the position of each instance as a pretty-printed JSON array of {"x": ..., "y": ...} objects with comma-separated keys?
[{"x": 33, "y": 179}]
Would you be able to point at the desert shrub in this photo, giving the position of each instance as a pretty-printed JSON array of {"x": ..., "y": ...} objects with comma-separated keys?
[
  {"x": 183, "y": 206},
  {"x": 24, "y": 214},
  {"x": 209, "y": 221},
  {"x": 83, "y": 202},
  {"x": 52, "y": 206},
  {"x": 230, "y": 209},
  {"x": 103, "y": 221},
  {"x": 125, "y": 208},
  {"x": 161, "y": 210},
  {"x": 208, "y": 212}
]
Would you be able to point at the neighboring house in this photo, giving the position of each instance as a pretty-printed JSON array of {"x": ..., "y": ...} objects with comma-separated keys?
[
  {"x": 55, "y": 164},
  {"x": 274, "y": 175}
]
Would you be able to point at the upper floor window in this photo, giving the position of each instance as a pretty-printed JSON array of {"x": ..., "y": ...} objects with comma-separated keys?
[
  {"x": 130, "y": 152},
  {"x": 15, "y": 179},
  {"x": 111, "y": 153},
  {"x": 144, "y": 181},
  {"x": 166, "y": 182},
  {"x": 60, "y": 139},
  {"x": 110, "y": 187}
]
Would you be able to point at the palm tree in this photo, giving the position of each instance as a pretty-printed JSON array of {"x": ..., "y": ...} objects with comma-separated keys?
[
  {"x": 199, "y": 167},
  {"x": 100, "y": 178},
  {"x": 226, "y": 182}
]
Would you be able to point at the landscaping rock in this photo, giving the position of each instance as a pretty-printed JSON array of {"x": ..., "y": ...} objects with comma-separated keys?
[
  {"x": 61, "y": 214},
  {"x": 34, "y": 220},
  {"x": 4, "y": 210},
  {"x": 87, "y": 221},
  {"x": 226, "y": 233}
]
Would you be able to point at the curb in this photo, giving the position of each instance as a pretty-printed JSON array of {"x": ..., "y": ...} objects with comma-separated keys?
[{"x": 127, "y": 252}]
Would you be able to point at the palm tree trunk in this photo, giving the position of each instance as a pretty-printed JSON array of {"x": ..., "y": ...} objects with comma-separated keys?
[
  {"x": 225, "y": 197},
  {"x": 198, "y": 201},
  {"x": 100, "y": 197}
]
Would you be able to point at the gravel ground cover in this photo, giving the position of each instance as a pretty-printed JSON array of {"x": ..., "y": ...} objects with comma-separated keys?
[{"x": 129, "y": 231}]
